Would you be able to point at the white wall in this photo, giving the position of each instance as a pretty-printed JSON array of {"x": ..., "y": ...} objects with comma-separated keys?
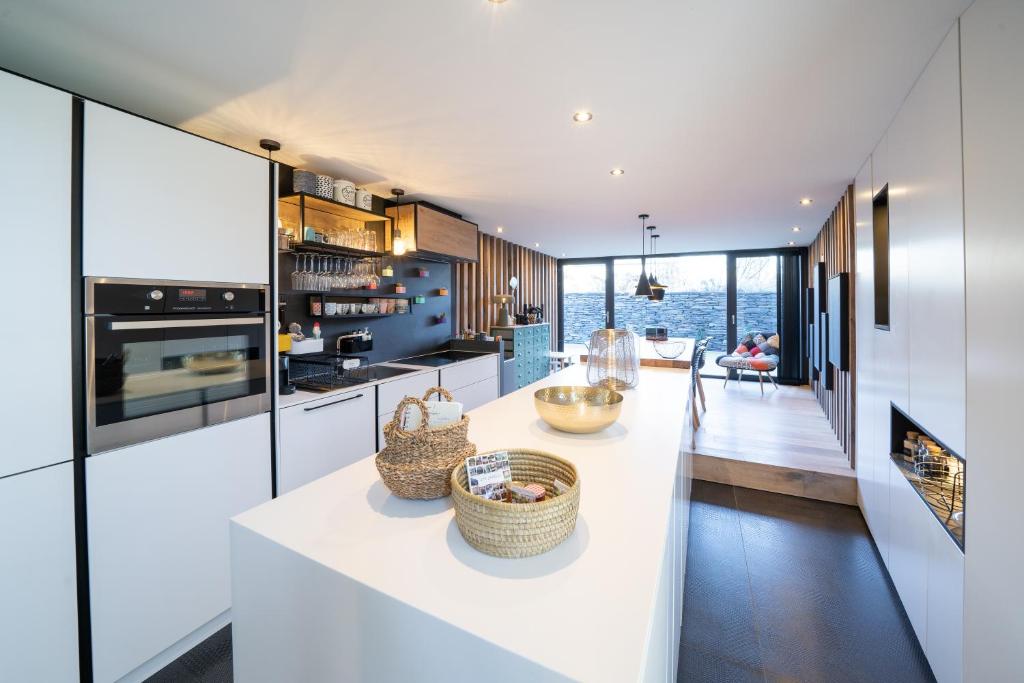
[{"x": 992, "y": 61}]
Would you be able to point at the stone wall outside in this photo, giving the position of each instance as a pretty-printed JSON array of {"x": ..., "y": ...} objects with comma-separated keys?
[{"x": 685, "y": 314}]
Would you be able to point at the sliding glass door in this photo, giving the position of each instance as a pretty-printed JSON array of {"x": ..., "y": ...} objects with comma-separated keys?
[
  {"x": 723, "y": 296},
  {"x": 584, "y": 303},
  {"x": 754, "y": 306}
]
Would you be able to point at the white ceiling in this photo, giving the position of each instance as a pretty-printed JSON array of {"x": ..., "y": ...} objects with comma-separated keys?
[{"x": 722, "y": 112}]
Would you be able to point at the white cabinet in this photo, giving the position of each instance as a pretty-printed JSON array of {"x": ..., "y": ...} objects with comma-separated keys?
[
  {"x": 477, "y": 394},
  {"x": 910, "y": 529},
  {"x": 159, "y": 203},
  {"x": 322, "y": 436},
  {"x": 928, "y": 183},
  {"x": 945, "y": 646},
  {"x": 38, "y": 604},
  {"x": 390, "y": 393},
  {"x": 35, "y": 191},
  {"x": 158, "y": 536},
  {"x": 469, "y": 372}
]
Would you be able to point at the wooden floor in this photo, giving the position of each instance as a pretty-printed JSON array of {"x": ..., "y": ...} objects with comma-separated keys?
[{"x": 781, "y": 442}]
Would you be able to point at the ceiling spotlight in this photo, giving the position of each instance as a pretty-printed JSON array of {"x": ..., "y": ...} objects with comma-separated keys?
[
  {"x": 796, "y": 228},
  {"x": 582, "y": 116},
  {"x": 617, "y": 171},
  {"x": 536, "y": 244},
  {"x": 792, "y": 244},
  {"x": 501, "y": 229},
  {"x": 497, "y": 2},
  {"x": 806, "y": 201}
]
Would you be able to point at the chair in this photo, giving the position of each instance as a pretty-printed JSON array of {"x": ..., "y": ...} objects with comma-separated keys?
[
  {"x": 559, "y": 360},
  {"x": 758, "y": 352},
  {"x": 696, "y": 387}
]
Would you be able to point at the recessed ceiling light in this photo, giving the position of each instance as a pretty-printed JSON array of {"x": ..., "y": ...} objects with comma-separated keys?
[
  {"x": 617, "y": 171},
  {"x": 792, "y": 244},
  {"x": 796, "y": 228},
  {"x": 563, "y": 254},
  {"x": 536, "y": 244},
  {"x": 501, "y": 229},
  {"x": 497, "y": 2},
  {"x": 806, "y": 201},
  {"x": 582, "y": 116}
]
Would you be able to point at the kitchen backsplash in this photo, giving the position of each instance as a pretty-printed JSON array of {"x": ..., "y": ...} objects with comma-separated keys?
[{"x": 395, "y": 336}]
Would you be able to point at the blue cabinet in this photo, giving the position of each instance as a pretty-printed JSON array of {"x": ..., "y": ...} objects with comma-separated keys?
[{"x": 530, "y": 345}]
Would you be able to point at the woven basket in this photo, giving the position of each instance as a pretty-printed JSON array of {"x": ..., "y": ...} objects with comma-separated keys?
[
  {"x": 519, "y": 529},
  {"x": 418, "y": 464}
]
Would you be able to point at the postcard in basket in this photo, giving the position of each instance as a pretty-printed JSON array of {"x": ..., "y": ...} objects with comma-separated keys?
[{"x": 488, "y": 475}]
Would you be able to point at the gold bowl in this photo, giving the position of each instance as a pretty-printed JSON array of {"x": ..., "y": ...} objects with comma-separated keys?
[{"x": 580, "y": 410}]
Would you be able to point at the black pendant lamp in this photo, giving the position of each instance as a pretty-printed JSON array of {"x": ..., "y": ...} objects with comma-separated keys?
[
  {"x": 643, "y": 286},
  {"x": 657, "y": 289}
]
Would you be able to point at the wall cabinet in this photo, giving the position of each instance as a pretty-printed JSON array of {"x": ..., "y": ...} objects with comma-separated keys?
[
  {"x": 159, "y": 203},
  {"x": 431, "y": 232},
  {"x": 325, "y": 435},
  {"x": 530, "y": 344},
  {"x": 910, "y": 525},
  {"x": 159, "y": 566},
  {"x": 38, "y": 602}
]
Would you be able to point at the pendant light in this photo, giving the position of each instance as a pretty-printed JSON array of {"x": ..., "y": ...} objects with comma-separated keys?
[
  {"x": 397, "y": 243},
  {"x": 643, "y": 286},
  {"x": 657, "y": 289}
]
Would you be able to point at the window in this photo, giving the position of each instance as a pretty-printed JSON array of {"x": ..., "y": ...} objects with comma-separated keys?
[{"x": 880, "y": 216}]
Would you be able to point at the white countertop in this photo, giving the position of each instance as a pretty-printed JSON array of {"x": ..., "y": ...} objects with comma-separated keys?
[
  {"x": 300, "y": 396},
  {"x": 594, "y": 594}
]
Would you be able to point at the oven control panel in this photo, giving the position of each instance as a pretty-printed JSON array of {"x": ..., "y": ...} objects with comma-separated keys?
[{"x": 130, "y": 298}]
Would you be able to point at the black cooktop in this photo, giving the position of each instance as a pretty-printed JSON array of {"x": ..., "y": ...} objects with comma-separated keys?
[{"x": 440, "y": 358}]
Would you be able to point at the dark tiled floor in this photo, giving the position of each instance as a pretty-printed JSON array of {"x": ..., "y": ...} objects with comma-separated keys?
[
  {"x": 208, "y": 662},
  {"x": 788, "y": 589},
  {"x": 777, "y": 589}
]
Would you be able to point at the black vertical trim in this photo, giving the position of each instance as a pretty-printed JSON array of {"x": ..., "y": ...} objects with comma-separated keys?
[
  {"x": 275, "y": 378},
  {"x": 78, "y": 361},
  {"x": 609, "y": 293}
]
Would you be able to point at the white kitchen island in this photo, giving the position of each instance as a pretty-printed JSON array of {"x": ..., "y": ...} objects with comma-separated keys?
[{"x": 341, "y": 581}]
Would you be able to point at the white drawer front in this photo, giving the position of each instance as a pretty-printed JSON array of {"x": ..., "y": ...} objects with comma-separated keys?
[
  {"x": 475, "y": 395},
  {"x": 322, "y": 436},
  {"x": 390, "y": 393},
  {"x": 469, "y": 372}
]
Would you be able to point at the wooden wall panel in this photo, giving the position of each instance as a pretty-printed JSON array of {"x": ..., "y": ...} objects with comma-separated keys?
[
  {"x": 835, "y": 245},
  {"x": 475, "y": 284}
]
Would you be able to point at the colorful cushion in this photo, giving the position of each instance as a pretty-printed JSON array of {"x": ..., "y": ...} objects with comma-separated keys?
[{"x": 756, "y": 351}]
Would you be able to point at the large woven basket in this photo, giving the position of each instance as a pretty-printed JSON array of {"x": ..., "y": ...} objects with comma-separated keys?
[
  {"x": 519, "y": 529},
  {"x": 418, "y": 464}
]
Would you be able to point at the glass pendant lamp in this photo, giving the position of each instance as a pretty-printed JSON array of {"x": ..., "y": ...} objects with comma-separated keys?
[
  {"x": 643, "y": 285},
  {"x": 397, "y": 243}
]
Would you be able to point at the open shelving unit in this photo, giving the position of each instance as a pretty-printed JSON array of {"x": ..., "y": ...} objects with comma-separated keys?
[{"x": 300, "y": 210}]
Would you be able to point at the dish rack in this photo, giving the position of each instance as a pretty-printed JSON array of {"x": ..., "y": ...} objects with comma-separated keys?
[
  {"x": 327, "y": 371},
  {"x": 941, "y": 479}
]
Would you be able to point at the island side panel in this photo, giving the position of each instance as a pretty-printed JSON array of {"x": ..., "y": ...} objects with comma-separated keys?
[{"x": 296, "y": 620}]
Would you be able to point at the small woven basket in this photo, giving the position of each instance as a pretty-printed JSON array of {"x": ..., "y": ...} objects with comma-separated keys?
[
  {"x": 418, "y": 464},
  {"x": 519, "y": 529}
]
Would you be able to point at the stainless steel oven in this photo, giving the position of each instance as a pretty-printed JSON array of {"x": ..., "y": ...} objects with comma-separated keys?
[{"x": 164, "y": 357}]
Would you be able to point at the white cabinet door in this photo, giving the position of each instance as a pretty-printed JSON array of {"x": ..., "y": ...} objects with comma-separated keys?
[
  {"x": 160, "y": 203},
  {"x": 945, "y": 646},
  {"x": 390, "y": 393},
  {"x": 38, "y": 604},
  {"x": 475, "y": 395},
  {"x": 35, "y": 191},
  {"x": 158, "y": 536},
  {"x": 909, "y": 533},
  {"x": 322, "y": 436},
  {"x": 469, "y": 372}
]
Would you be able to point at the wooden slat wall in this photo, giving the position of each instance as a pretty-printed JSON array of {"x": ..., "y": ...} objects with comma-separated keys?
[
  {"x": 835, "y": 246},
  {"x": 475, "y": 283}
]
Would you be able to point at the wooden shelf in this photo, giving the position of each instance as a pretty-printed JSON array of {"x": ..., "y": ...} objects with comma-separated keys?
[{"x": 334, "y": 208}]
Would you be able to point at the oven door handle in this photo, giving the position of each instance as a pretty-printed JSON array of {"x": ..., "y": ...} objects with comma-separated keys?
[
  {"x": 333, "y": 403},
  {"x": 164, "y": 324}
]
